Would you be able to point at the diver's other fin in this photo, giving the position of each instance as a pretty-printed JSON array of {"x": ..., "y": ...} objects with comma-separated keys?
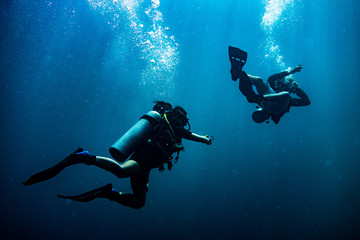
[
  {"x": 238, "y": 55},
  {"x": 101, "y": 192},
  {"x": 52, "y": 171},
  {"x": 238, "y": 59}
]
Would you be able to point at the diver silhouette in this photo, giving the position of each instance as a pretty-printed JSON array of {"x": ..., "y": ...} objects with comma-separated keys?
[
  {"x": 273, "y": 96},
  {"x": 150, "y": 143}
]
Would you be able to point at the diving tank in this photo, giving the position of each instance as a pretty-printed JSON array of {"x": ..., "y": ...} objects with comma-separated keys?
[
  {"x": 276, "y": 103},
  {"x": 135, "y": 136}
]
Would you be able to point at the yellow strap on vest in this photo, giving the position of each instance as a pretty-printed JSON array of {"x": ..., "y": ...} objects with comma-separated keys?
[{"x": 171, "y": 129}]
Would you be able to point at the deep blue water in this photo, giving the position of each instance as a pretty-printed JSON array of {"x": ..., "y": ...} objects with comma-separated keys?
[{"x": 80, "y": 73}]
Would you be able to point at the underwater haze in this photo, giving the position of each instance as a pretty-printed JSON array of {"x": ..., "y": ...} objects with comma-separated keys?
[{"x": 80, "y": 73}]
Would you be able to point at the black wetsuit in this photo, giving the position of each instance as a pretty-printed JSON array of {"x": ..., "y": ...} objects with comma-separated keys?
[
  {"x": 246, "y": 89},
  {"x": 302, "y": 100},
  {"x": 152, "y": 154},
  {"x": 245, "y": 86}
]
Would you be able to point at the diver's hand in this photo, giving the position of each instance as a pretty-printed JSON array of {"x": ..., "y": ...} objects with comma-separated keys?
[
  {"x": 293, "y": 87},
  {"x": 296, "y": 69},
  {"x": 209, "y": 140}
]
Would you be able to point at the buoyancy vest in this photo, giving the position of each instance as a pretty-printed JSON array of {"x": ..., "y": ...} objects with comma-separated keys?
[{"x": 166, "y": 140}]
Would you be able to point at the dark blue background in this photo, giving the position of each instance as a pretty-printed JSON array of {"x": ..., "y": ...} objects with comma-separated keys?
[{"x": 74, "y": 75}]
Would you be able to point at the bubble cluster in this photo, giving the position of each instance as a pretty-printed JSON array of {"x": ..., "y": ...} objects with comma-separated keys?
[
  {"x": 158, "y": 49},
  {"x": 273, "y": 12}
]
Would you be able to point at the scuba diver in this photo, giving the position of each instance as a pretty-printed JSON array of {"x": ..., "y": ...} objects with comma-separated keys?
[
  {"x": 151, "y": 143},
  {"x": 273, "y": 97}
]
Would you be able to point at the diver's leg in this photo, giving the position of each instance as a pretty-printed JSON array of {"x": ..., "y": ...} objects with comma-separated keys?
[
  {"x": 102, "y": 192},
  {"x": 135, "y": 200},
  {"x": 139, "y": 185},
  {"x": 261, "y": 87},
  {"x": 127, "y": 169},
  {"x": 80, "y": 156},
  {"x": 245, "y": 87}
]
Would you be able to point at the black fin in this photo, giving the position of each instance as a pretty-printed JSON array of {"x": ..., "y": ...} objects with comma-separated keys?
[
  {"x": 238, "y": 59},
  {"x": 51, "y": 172},
  {"x": 101, "y": 192}
]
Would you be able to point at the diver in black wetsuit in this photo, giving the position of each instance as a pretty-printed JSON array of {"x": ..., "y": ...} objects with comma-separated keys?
[
  {"x": 154, "y": 153},
  {"x": 272, "y": 96}
]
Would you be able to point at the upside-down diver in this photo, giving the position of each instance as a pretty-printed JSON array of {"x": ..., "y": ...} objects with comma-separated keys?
[{"x": 273, "y": 96}]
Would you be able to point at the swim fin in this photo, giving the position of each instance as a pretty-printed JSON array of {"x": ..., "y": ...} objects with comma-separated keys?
[
  {"x": 102, "y": 192},
  {"x": 237, "y": 59},
  {"x": 76, "y": 157}
]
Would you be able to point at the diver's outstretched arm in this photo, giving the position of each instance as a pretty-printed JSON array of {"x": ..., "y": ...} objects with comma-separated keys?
[
  {"x": 199, "y": 138},
  {"x": 273, "y": 78},
  {"x": 296, "y": 69}
]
